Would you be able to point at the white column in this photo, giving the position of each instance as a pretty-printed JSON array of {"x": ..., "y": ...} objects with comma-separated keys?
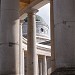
[
  {"x": 21, "y": 51},
  {"x": 40, "y": 67},
  {"x": 9, "y": 37},
  {"x": 32, "y": 57},
  {"x": 44, "y": 65}
]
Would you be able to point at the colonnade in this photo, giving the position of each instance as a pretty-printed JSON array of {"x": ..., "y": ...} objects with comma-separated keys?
[
  {"x": 43, "y": 66},
  {"x": 11, "y": 54}
]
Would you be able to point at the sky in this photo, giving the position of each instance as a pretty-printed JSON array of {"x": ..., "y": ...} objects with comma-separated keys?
[{"x": 44, "y": 12}]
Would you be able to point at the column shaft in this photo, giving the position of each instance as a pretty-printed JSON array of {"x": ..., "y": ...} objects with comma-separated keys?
[
  {"x": 52, "y": 36},
  {"x": 64, "y": 19},
  {"x": 31, "y": 46},
  {"x": 40, "y": 67},
  {"x": 44, "y": 65},
  {"x": 21, "y": 52},
  {"x": 9, "y": 37}
]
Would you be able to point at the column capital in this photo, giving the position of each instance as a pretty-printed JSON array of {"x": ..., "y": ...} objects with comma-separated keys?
[
  {"x": 32, "y": 11},
  {"x": 21, "y": 22}
]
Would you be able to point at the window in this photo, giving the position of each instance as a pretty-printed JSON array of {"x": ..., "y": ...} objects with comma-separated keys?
[{"x": 42, "y": 29}]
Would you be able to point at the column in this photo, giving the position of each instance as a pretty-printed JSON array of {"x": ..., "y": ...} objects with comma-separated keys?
[
  {"x": 44, "y": 65},
  {"x": 32, "y": 57},
  {"x": 9, "y": 37},
  {"x": 64, "y": 21},
  {"x": 40, "y": 67},
  {"x": 21, "y": 51},
  {"x": 52, "y": 36}
]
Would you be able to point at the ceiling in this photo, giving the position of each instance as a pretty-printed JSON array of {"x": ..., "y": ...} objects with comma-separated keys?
[
  {"x": 27, "y": 4},
  {"x": 24, "y": 4}
]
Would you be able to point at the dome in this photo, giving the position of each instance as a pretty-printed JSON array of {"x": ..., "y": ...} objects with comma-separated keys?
[
  {"x": 41, "y": 26},
  {"x": 38, "y": 18}
]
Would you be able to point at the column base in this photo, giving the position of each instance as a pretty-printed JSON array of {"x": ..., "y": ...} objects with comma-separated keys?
[{"x": 64, "y": 71}]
